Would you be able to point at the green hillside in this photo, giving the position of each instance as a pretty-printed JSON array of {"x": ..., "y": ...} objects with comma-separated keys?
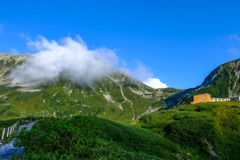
[
  {"x": 194, "y": 128},
  {"x": 199, "y": 131},
  {"x": 116, "y": 96},
  {"x": 222, "y": 82},
  {"x": 65, "y": 99},
  {"x": 92, "y": 138}
]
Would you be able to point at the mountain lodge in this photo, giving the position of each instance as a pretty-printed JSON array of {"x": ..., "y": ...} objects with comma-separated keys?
[{"x": 202, "y": 98}]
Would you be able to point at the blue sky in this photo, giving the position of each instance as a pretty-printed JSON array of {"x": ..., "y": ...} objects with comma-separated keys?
[{"x": 179, "y": 42}]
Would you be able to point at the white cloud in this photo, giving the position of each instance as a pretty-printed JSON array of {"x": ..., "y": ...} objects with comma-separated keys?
[
  {"x": 141, "y": 72},
  {"x": 144, "y": 74},
  {"x": 234, "y": 36},
  {"x": 68, "y": 58},
  {"x": 71, "y": 59},
  {"x": 155, "y": 83}
]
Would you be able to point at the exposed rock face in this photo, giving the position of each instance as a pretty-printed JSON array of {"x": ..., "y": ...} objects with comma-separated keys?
[
  {"x": 116, "y": 96},
  {"x": 222, "y": 82},
  {"x": 7, "y": 62}
]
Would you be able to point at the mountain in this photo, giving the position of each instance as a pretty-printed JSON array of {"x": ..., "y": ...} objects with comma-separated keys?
[
  {"x": 222, "y": 82},
  {"x": 7, "y": 62},
  {"x": 116, "y": 96},
  {"x": 196, "y": 131}
]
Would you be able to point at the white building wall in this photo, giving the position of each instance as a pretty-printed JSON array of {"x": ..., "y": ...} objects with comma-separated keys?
[{"x": 219, "y": 99}]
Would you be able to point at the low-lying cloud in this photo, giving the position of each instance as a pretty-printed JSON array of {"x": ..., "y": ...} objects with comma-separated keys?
[
  {"x": 72, "y": 59},
  {"x": 68, "y": 58},
  {"x": 141, "y": 72}
]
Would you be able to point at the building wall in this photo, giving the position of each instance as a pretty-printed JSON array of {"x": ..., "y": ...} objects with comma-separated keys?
[
  {"x": 201, "y": 98},
  {"x": 220, "y": 99},
  {"x": 235, "y": 98}
]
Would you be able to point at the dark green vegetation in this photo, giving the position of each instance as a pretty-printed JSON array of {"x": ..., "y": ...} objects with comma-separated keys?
[
  {"x": 191, "y": 127},
  {"x": 188, "y": 131},
  {"x": 222, "y": 82},
  {"x": 92, "y": 138},
  {"x": 5, "y": 124}
]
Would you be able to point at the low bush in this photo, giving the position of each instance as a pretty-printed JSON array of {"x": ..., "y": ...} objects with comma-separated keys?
[
  {"x": 92, "y": 138},
  {"x": 190, "y": 126}
]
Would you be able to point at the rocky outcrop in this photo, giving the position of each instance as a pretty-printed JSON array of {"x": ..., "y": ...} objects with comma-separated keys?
[
  {"x": 116, "y": 95},
  {"x": 222, "y": 82},
  {"x": 7, "y": 63}
]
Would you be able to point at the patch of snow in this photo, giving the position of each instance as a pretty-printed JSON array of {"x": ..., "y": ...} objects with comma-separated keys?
[
  {"x": 84, "y": 105},
  {"x": 54, "y": 94},
  {"x": 70, "y": 92},
  {"x": 141, "y": 93},
  {"x": 150, "y": 110},
  {"x": 125, "y": 98},
  {"x": 29, "y": 90},
  {"x": 3, "y": 95},
  {"x": 109, "y": 98},
  {"x": 211, "y": 151}
]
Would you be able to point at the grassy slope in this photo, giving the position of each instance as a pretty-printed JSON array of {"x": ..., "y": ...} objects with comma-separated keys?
[
  {"x": 218, "y": 88},
  {"x": 93, "y": 138},
  {"x": 222, "y": 82},
  {"x": 226, "y": 82},
  {"x": 55, "y": 100},
  {"x": 189, "y": 125},
  {"x": 64, "y": 99}
]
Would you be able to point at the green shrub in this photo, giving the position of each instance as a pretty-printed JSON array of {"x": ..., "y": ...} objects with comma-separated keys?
[
  {"x": 92, "y": 138},
  {"x": 190, "y": 125}
]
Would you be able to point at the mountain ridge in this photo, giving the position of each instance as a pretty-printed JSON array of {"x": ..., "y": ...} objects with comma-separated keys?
[
  {"x": 222, "y": 82},
  {"x": 116, "y": 96}
]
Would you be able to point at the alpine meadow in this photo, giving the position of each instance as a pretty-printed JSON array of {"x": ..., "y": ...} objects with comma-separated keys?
[{"x": 119, "y": 80}]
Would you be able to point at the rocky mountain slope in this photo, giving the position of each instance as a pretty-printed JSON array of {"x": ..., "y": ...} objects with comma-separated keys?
[
  {"x": 222, "y": 82},
  {"x": 117, "y": 96},
  {"x": 7, "y": 62}
]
